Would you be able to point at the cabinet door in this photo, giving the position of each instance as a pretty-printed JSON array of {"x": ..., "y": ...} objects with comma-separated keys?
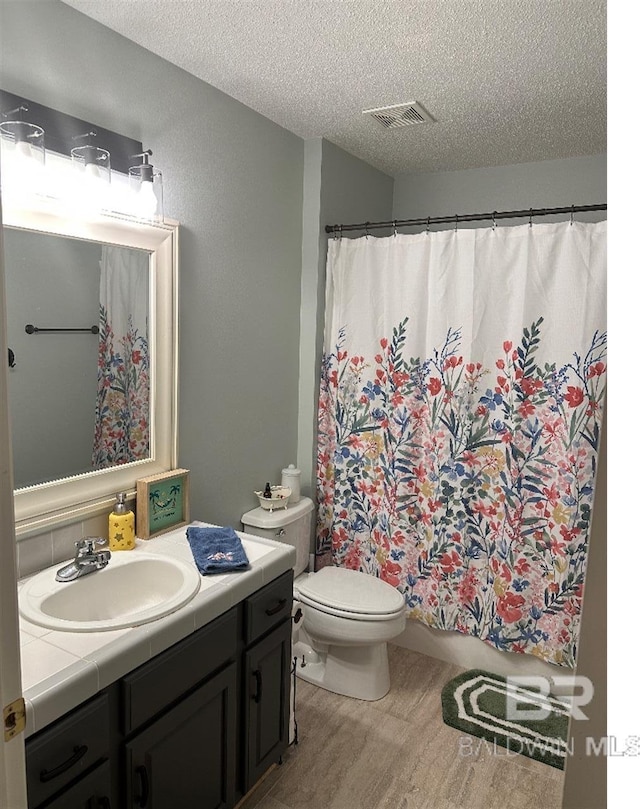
[
  {"x": 267, "y": 687},
  {"x": 187, "y": 757}
]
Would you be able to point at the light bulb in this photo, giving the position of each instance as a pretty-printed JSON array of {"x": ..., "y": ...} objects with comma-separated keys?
[
  {"x": 22, "y": 146},
  {"x": 22, "y": 150},
  {"x": 147, "y": 203},
  {"x": 22, "y": 170},
  {"x": 94, "y": 188},
  {"x": 92, "y": 170},
  {"x": 94, "y": 192}
]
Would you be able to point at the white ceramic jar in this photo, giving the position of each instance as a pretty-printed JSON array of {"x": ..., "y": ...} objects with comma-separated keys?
[{"x": 291, "y": 479}]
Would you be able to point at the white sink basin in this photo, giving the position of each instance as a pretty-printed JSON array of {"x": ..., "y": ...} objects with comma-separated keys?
[{"x": 133, "y": 589}]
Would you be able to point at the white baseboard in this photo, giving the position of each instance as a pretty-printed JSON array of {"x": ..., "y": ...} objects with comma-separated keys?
[{"x": 472, "y": 653}]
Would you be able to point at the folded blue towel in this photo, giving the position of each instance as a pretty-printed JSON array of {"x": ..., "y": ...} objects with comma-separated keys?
[{"x": 216, "y": 550}]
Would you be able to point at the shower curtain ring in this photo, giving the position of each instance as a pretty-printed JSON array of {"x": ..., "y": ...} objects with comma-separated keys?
[
  {"x": 493, "y": 227},
  {"x": 428, "y": 224},
  {"x": 366, "y": 229},
  {"x": 572, "y": 213},
  {"x": 530, "y": 217},
  {"x": 340, "y": 232},
  {"x": 395, "y": 227},
  {"x": 456, "y": 223}
]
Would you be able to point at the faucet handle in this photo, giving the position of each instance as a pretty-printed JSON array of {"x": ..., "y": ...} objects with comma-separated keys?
[{"x": 88, "y": 545}]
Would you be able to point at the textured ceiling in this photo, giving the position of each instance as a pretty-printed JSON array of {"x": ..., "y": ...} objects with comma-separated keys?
[{"x": 507, "y": 81}]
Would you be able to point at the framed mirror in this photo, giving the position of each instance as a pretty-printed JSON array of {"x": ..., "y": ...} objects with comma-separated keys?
[{"x": 70, "y": 281}]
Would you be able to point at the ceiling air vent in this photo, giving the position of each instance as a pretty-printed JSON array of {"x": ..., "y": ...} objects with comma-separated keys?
[{"x": 400, "y": 115}]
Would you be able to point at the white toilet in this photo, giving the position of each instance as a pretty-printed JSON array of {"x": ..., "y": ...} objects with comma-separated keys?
[{"x": 348, "y": 616}]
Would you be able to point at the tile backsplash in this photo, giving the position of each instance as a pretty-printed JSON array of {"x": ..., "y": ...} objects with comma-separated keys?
[{"x": 51, "y": 547}]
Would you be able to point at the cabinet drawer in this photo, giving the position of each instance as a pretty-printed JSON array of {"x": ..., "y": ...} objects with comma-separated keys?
[
  {"x": 93, "y": 791},
  {"x": 66, "y": 749},
  {"x": 158, "y": 683},
  {"x": 268, "y": 607}
]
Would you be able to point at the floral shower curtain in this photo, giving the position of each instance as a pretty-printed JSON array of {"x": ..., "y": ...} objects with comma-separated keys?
[
  {"x": 122, "y": 405},
  {"x": 460, "y": 407}
]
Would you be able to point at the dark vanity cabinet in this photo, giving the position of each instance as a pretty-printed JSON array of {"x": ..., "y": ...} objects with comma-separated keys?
[
  {"x": 267, "y": 666},
  {"x": 195, "y": 726}
]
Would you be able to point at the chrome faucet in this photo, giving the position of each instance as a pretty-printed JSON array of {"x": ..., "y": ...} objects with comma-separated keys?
[{"x": 88, "y": 559}]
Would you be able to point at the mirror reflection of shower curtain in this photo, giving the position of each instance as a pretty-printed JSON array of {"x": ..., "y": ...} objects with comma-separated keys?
[
  {"x": 122, "y": 403},
  {"x": 461, "y": 397}
]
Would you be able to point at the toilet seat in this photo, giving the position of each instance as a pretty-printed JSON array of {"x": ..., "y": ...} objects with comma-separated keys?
[{"x": 350, "y": 594}]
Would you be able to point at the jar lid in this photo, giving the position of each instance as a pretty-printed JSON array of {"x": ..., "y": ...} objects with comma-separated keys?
[{"x": 291, "y": 470}]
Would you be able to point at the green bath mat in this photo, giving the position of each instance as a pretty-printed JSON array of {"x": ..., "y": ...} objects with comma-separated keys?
[{"x": 476, "y": 703}]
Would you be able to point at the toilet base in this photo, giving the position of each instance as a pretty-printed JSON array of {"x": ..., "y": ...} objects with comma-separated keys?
[{"x": 361, "y": 672}]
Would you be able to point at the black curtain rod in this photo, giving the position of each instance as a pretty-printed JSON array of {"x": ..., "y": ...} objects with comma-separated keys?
[{"x": 468, "y": 217}]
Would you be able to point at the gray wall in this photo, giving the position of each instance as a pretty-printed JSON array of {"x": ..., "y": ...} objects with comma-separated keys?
[
  {"x": 548, "y": 184},
  {"x": 339, "y": 188},
  {"x": 234, "y": 181},
  {"x": 51, "y": 282}
]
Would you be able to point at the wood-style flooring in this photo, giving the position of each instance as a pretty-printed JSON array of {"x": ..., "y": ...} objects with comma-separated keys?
[{"x": 397, "y": 753}]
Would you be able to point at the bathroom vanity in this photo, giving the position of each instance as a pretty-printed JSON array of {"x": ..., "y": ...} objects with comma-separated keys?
[{"x": 196, "y": 723}]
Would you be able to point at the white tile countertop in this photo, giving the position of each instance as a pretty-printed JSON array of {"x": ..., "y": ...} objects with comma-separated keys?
[{"x": 60, "y": 670}]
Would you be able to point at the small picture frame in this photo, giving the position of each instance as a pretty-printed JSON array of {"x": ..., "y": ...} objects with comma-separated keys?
[{"x": 162, "y": 503}]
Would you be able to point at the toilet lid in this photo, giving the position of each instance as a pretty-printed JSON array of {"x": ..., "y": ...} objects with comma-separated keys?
[{"x": 350, "y": 591}]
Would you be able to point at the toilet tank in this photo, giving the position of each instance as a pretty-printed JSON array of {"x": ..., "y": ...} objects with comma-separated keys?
[{"x": 291, "y": 525}]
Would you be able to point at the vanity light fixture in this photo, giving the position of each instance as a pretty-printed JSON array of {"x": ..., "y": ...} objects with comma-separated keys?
[
  {"x": 80, "y": 177},
  {"x": 146, "y": 183}
]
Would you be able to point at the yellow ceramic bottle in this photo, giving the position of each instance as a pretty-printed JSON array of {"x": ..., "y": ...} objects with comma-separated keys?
[{"x": 122, "y": 532}]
